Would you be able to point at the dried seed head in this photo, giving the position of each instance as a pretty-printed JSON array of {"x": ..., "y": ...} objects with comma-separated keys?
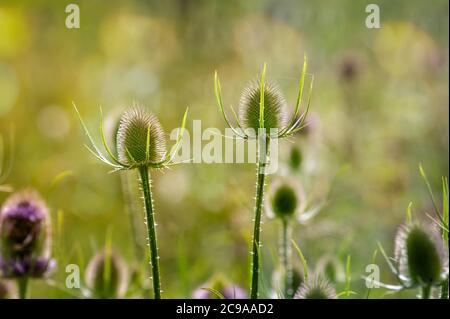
[
  {"x": 316, "y": 288},
  {"x": 107, "y": 275},
  {"x": 136, "y": 128},
  {"x": 420, "y": 254},
  {"x": 25, "y": 236},
  {"x": 274, "y": 107},
  {"x": 285, "y": 199}
]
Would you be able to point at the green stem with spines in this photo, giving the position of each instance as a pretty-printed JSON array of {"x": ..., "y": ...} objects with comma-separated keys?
[
  {"x": 22, "y": 284},
  {"x": 285, "y": 255},
  {"x": 154, "y": 258},
  {"x": 260, "y": 178}
]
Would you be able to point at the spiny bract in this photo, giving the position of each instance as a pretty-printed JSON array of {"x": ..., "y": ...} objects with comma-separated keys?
[
  {"x": 316, "y": 288},
  {"x": 139, "y": 129},
  {"x": 274, "y": 107},
  {"x": 106, "y": 275},
  {"x": 420, "y": 255}
]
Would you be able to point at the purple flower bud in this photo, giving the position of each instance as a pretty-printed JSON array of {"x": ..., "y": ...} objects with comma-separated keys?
[{"x": 24, "y": 236}]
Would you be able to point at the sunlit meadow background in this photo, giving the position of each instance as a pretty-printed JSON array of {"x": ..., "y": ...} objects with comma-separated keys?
[{"x": 380, "y": 107}]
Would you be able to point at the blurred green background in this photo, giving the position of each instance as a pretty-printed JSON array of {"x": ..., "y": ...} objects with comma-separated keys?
[{"x": 379, "y": 108}]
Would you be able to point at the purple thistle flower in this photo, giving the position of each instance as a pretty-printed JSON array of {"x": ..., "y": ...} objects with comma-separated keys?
[{"x": 24, "y": 236}]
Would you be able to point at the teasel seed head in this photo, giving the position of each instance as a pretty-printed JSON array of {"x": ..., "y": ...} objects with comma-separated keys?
[
  {"x": 107, "y": 275},
  {"x": 285, "y": 199},
  {"x": 139, "y": 129},
  {"x": 25, "y": 236},
  {"x": 316, "y": 288},
  {"x": 275, "y": 116},
  {"x": 420, "y": 254}
]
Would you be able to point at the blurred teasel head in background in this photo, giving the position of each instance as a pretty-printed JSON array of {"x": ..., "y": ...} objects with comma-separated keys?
[
  {"x": 316, "y": 288},
  {"x": 25, "y": 238},
  {"x": 422, "y": 259},
  {"x": 286, "y": 198},
  {"x": 107, "y": 275}
]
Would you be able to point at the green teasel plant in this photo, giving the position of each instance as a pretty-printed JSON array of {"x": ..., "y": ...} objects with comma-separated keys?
[
  {"x": 440, "y": 220},
  {"x": 141, "y": 145},
  {"x": 285, "y": 200},
  {"x": 263, "y": 116},
  {"x": 131, "y": 208},
  {"x": 420, "y": 262}
]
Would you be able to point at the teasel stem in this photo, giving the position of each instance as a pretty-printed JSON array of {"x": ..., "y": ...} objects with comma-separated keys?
[
  {"x": 426, "y": 292},
  {"x": 444, "y": 289},
  {"x": 261, "y": 174},
  {"x": 154, "y": 258},
  {"x": 22, "y": 284},
  {"x": 285, "y": 255}
]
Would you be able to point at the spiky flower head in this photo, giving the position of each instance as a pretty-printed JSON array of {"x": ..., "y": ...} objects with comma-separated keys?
[
  {"x": 25, "y": 236},
  {"x": 262, "y": 109},
  {"x": 219, "y": 284},
  {"x": 316, "y": 288},
  {"x": 140, "y": 138},
  {"x": 107, "y": 275},
  {"x": 420, "y": 254},
  {"x": 275, "y": 116},
  {"x": 285, "y": 199}
]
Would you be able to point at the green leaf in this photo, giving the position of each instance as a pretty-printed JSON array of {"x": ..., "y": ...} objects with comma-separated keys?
[
  {"x": 175, "y": 148},
  {"x": 348, "y": 276},
  {"x": 409, "y": 214},
  {"x": 215, "y": 292},
  {"x": 445, "y": 208},
  {"x": 388, "y": 261},
  {"x": 303, "y": 261},
  {"x": 430, "y": 191},
  {"x": 97, "y": 152},
  {"x": 218, "y": 92}
]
